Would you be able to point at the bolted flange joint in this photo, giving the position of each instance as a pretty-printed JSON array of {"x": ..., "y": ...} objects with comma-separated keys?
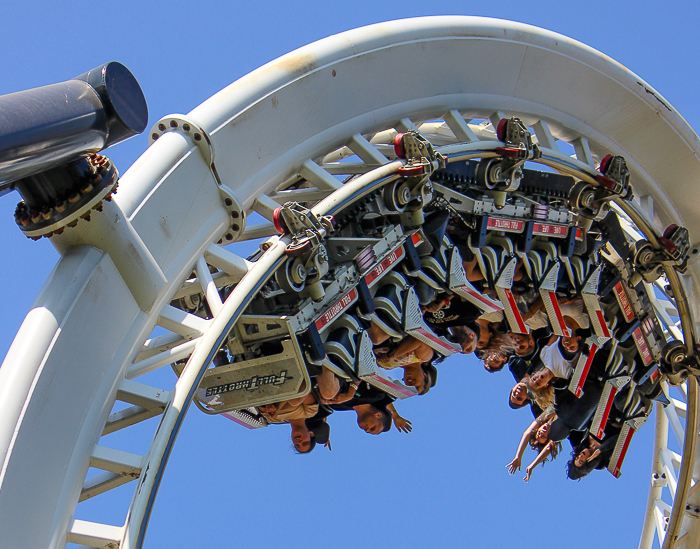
[{"x": 60, "y": 197}]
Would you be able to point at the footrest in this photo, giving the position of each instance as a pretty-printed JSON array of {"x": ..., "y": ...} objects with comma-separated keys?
[
  {"x": 248, "y": 418},
  {"x": 578, "y": 379},
  {"x": 510, "y": 307},
  {"x": 415, "y": 325},
  {"x": 459, "y": 284},
  {"x": 589, "y": 293},
  {"x": 369, "y": 371},
  {"x": 610, "y": 390},
  {"x": 475, "y": 297},
  {"x": 618, "y": 455},
  {"x": 640, "y": 412},
  {"x": 548, "y": 288}
]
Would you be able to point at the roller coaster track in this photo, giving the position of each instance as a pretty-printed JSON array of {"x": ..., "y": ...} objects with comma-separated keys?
[{"x": 307, "y": 117}]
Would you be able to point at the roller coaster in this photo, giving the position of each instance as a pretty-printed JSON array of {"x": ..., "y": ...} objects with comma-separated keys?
[{"x": 392, "y": 228}]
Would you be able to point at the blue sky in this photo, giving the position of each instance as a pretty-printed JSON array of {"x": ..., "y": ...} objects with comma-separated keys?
[{"x": 443, "y": 485}]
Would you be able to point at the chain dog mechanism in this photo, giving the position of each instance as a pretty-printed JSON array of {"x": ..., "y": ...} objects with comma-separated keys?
[{"x": 307, "y": 257}]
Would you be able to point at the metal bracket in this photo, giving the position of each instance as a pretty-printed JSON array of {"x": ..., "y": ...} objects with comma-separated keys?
[
  {"x": 237, "y": 215},
  {"x": 307, "y": 258},
  {"x": 421, "y": 158},
  {"x": 615, "y": 176},
  {"x": 421, "y": 162},
  {"x": 192, "y": 130},
  {"x": 503, "y": 174},
  {"x": 185, "y": 126}
]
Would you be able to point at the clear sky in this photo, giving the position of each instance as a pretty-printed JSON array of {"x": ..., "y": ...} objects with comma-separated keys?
[{"x": 443, "y": 485}]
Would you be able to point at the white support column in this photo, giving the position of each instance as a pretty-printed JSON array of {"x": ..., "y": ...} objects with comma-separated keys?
[
  {"x": 116, "y": 461},
  {"x": 583, "y": 151},
  {"x": 265, "y": 206},
  {"x": 406, "y": 125},
  {"x": 141, "y": 394},
  {"x": 94, "y": 534},
  {"x": 544, "y": 135},
  {"x": 180, "y": 322},
  {"x": 675, "y": 423},
  {"x": 316, "y": 175},
  {"x": 459, "y": 127},
  {"x": 367, "y": 152},
  {"x": 101, "y": 483},
  {"x": 208, "y": 286},
  {"x": 161, "y": 359},
  {"x": 262, "y": 230},
  {"x": 496, "y": 118},
  {"x": 161, "y": 344}
]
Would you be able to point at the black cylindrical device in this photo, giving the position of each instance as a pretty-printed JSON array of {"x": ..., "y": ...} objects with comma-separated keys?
[{"x": 46, "y": 127}]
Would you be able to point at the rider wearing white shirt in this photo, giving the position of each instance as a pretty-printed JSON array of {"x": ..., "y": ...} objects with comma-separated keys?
[
  {"x": 555, "y": 365},
  {"x": 554, "y": 361}
]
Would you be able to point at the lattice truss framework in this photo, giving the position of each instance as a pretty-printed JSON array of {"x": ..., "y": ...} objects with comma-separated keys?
[{"x": 215, "y": 188}]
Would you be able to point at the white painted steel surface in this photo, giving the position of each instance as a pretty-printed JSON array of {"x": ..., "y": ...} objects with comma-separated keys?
[{"x": 264, "y": 129}]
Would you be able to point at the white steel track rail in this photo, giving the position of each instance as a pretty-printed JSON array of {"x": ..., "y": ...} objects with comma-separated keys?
[{"x": 303, "y": 117}]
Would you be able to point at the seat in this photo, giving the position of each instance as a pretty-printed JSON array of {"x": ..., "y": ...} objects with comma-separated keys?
[
  {"x": 490, "y": 260},
  {"x": 434, "y": 229},
  {"x": 497, "y": 261},
  {"x": 415, "y": 325},
  {"x": 544, "y": 264},
  {"x": 389, "y": 300},
  {"x": 397, "y": 311},
  {"x": 349, "y": 348},
  {"x": 456, "y": 282},
  {"x": 342, "y": 346},
  {"x": 578, "y": 269},
  {"x": 436, "y": 265}
]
